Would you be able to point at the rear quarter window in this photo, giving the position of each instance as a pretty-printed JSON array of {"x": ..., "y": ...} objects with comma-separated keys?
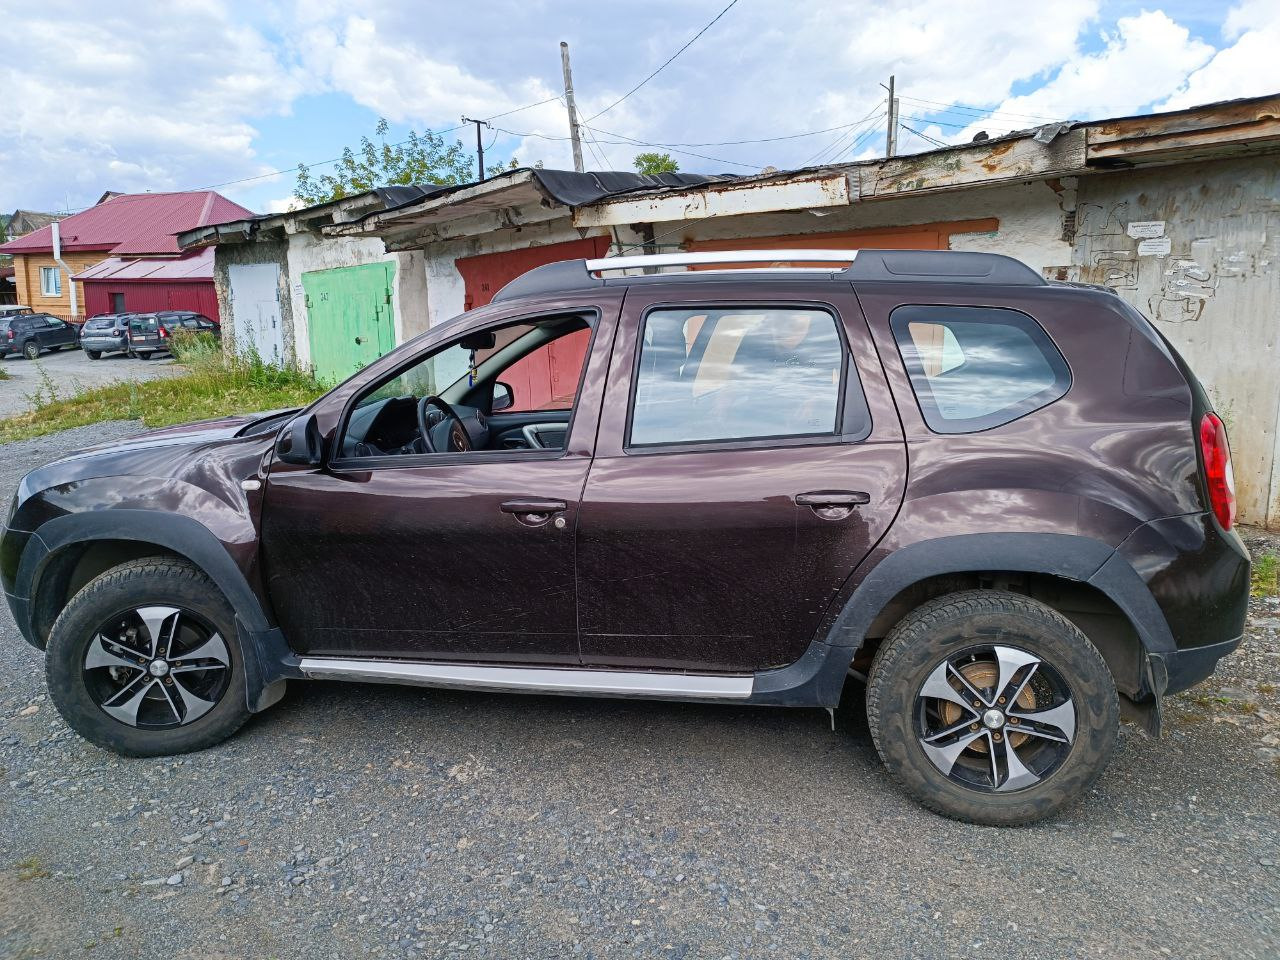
[{"x": 974, "y": 368}]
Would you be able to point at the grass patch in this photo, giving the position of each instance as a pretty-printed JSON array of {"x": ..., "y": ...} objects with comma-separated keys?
[
  {"x": 4, "y": 374},
  {"x": 1266, "y": 576},
  {"x": 31, "y": 869},
  {"x": 214, "y": 385}
]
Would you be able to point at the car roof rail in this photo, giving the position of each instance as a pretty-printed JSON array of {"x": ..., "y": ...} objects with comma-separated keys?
[{"x": 895, "y": 266}]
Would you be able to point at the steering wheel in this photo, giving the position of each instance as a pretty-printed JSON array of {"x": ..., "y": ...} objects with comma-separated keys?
[{"x": 459, "y": 439}]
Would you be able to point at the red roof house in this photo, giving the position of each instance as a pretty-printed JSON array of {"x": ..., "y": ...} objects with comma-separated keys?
[{"x": 103, "y": 250}]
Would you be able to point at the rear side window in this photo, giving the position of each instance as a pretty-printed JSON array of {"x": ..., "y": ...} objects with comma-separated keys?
[
  {"x": 741, "y": 373},
  {"x": 973, "y": 368}
]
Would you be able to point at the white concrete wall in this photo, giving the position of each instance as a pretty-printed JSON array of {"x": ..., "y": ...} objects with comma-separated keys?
[{"x": 1206, "y": 270}]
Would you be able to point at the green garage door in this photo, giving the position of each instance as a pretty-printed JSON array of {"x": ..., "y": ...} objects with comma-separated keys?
[{"x": 349, "y": 317}]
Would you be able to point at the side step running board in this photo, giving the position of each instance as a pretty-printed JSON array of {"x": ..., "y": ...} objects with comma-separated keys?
[{"x": 604, "y": 683}]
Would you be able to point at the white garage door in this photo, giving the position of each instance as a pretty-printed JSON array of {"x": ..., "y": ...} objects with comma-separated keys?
[{"x": 255, "y": 306}]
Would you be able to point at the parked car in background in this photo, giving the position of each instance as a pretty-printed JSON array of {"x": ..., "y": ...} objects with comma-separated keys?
[
  {"x": 151, "y": 333},
  {"x": 105, "y": 333},
  {"x": 928, "y": 471},
  {"x": 30, "y": 333},
  {"x": 13, "y": 309}
]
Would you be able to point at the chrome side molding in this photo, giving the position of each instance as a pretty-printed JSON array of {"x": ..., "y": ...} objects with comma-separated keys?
[{"x": 601, "y": 683}]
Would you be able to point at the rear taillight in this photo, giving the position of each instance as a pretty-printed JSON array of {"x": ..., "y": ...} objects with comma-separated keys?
[
  {"x": 163, "y": 333},
  {"x": 1218, "y": 478}
]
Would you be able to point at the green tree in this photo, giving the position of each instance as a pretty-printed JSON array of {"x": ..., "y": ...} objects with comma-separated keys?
[
  {"x": 420, "y": 159},
  {"x": 655, "y": 163}
]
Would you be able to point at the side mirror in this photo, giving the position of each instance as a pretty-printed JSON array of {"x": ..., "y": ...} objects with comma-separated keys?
[
  {"x": 504, "y": 398},
  {"x": 300, "y": 442}
]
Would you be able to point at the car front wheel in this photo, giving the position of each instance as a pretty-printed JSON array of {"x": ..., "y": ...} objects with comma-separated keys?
[
  {"x": 144, "y": 661},
  {"x": 93, "y": 354},
  {"x": 991, "y": 707},
  {"x": 31, "y": 351}
]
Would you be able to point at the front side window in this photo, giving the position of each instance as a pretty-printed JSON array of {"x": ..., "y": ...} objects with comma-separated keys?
[
  {"x": 737, "y": 373},
  {"x": 526, "y": 367},
  {"x": 973, "y": 368},
  {"x": 50, "y": 282}
]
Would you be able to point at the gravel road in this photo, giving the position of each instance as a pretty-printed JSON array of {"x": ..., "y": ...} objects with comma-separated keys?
[
  {"x": 68, "y": 371},
  {"x": 355, "y": 821}
]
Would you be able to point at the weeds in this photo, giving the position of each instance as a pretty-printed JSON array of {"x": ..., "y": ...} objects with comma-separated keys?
[
  {"x": 4, "y": 374},
  {"x": 31, "y": 869},
  {"x": 215, "y": 384},
  {"x": 46, "y": 391},
  {"x": 1266, "y": 576}
]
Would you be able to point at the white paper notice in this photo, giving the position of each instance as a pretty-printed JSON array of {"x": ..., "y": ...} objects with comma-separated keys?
[
  {"x": 1155, "y": 247},
  {"x": 1144, "y": 229}
]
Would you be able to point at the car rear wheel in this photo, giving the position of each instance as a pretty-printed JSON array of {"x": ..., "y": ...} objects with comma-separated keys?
[
  {"x": 93, "y": 354},
  {"x": 31, "y": 350},
  {"x": 144, "y": 661},
  {"x": 991, "y": 707},
  {"x": 143, "y": 355}
]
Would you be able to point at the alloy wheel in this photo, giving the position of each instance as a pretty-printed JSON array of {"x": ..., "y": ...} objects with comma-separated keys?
[
  {"x": 995, "y": 718},
  {"x": 156, "y": 667}
]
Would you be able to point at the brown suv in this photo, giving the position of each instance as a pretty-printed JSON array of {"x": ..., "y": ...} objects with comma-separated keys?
[{"x": 1003, "y": 504}]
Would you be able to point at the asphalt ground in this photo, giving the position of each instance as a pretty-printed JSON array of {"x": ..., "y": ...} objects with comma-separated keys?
[{"x": 366, "y": 821}]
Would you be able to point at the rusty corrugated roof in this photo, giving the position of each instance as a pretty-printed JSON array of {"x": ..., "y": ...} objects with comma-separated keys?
[{"x": 198, "y": 266}]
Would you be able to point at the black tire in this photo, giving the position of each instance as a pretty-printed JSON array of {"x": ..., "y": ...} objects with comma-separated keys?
[
  {"x": 951, "y": 626},
  {"x": 150, "y": 581},
  {"x": 31, "y": 350},
  {"x": 144, "y": 355},
  {"x": 93, "y": 354}
]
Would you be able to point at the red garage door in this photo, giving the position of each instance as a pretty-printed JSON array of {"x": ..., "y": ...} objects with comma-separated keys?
[{"x": 547, "y": 377}]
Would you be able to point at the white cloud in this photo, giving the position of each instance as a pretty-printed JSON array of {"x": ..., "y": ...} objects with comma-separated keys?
[
  {"x": 182, "y": 101},
  {"x": 1145, "y": 59},
  {"x": 98, "y": 102},
  {"x": 1250, "y": 67}
]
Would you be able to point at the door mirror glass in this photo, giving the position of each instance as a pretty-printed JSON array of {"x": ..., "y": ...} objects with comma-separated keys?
[
  {"x": 300, "y": 442},
  {"x": 504, "y": 397}
]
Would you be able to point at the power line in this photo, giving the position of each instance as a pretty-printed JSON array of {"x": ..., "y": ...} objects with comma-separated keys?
[
  {"x": 954, "y": 126},
  {"x": 852, "y": 149},
  {"x": 687, "y": 153},
  {"x": 665, "y": 64},
  {"x": 923, "y": 136},
  {"x": 874, "y": 115},
  {"x": 980, "y": 111}
]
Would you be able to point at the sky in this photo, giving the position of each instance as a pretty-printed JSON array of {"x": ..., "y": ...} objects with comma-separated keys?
[{"x": 223, "y": 94}]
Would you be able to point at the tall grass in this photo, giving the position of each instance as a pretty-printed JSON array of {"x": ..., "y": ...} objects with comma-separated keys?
[{"x": 212, "y": 384}]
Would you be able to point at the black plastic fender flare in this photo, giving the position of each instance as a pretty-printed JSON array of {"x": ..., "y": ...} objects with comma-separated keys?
[
  {"x": 263, "y": 648},
  {"x": 817, "y": 678}
]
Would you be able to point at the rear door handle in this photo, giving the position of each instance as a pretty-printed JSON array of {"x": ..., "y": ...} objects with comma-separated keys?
[
  {"x": 833, "y": 498},
  {"x": 534, "y": 506},
  {"x": 534, "y": 513}
]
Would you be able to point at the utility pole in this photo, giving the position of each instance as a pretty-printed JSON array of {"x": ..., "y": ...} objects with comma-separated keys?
[
  {"x": 891, "y": 134},
  {"x": 479, "y": 145},
  {"x": 573, "y": 112}
]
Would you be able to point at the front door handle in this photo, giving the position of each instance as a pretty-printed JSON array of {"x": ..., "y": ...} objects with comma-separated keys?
[
  {"x": 833, "y": 498},
  {"x": 535, "y": 512}
]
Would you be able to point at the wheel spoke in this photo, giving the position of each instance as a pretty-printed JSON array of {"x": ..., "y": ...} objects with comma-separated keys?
[
  {"x": 125, "y": 709},
  {"x": 938, "y": 688},
  {"x": 944, "y": 758},
  {"x": 1030, "y": 731},
  {"x": 100, "y": 655},
  {"x": 1011, "y": 660},
  {"x": 194, "y": 707},
  {"x": 153, "y": 618},
  {"x": 1061, "y": 718},
  {"x": 1017, "y": 775},
  {"x": 210, "y": 655},
  {"x": 951, "y": 731},
  {"x": 177, "y": 715}
]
